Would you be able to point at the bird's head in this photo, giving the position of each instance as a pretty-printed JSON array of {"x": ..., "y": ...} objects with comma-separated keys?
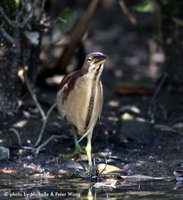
[{"x": 93, "y": 63}]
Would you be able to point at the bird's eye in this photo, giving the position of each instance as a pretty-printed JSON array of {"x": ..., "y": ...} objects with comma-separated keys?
[{"x": 89, "y": 59}]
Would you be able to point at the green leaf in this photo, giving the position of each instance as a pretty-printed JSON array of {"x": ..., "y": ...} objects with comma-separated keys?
[
  {"x": 67, "y": 19},
  {"x": 65, "y": 23},
  {"x": 17, "y": 2},
  {"x": 144, "y": 8}
]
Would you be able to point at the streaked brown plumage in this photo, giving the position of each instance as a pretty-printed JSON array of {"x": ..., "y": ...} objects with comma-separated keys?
[{"x": 80, "y": 97}]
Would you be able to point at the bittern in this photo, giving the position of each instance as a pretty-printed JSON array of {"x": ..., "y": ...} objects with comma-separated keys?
[{"x": 80, "y": 98}]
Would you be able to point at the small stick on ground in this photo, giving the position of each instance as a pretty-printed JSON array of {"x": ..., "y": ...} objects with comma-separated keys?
[
  {"x": 104, "y": 167},
  {"x": 152, "y": 105},
  {"x": 46, "y": 142},
  {"x": 44, "y": 124},
  {"x": 17, "y": 135}
]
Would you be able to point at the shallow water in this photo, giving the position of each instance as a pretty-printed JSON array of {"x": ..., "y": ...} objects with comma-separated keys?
[{"x": 82, "y": 189}]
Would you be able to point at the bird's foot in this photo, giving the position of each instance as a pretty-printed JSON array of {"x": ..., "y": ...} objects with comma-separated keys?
[
  {"x": 78, "y": 150},
  {"x": 90, "y": 173}
]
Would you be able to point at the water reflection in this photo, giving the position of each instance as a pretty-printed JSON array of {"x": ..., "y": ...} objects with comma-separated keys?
[{"x": 82, "y": 189}]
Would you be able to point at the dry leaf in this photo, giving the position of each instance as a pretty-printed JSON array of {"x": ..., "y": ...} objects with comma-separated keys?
[
  {"x": 9, "y": 171},
  {"x": 105, "y": 169}
]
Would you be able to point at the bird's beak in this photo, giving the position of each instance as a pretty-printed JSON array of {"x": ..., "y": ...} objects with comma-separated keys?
[{"x": 100, "y": 59}]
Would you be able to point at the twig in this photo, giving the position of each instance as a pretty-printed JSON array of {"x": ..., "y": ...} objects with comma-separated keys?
[
  {"x": 6, "y": 36},
  {"x": 44, "y": 124},
  {"x": 46, "y": 142},
  {"x": 163, "y": 110},
  {"x": 34, "y": 97},
  {"x": 26, "y": 19},
  {"x": 20, "y": 12},
  {"x": 17, "y": 135},
  {"x": 126, "y": 11},
  {"x": 159, "y": 87},
  {"x": 152, "y": 105},
  {"x": 41, "y": 9},
  {"x": 9, "y": 21},
  {"x": 42, "y": 6},
  {"x": 176, "y": 20},
  {"x": 29, "y": 15},
  {"x": 134, "y": 22},
  {"x": 104, "y": 167}
]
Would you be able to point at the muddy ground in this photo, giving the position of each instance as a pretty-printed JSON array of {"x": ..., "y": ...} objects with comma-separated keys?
[{"x": 125, "y": 135}]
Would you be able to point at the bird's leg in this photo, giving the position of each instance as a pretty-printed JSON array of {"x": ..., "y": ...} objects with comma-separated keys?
[
  {"x": 88, "y": 151},
  {"x": 78, "y": 148}
]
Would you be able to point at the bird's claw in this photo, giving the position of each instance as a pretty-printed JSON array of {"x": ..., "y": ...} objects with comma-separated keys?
[{"x": 78, "y": 150}]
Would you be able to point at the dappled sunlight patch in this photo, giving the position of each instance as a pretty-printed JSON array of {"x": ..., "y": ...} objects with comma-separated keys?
[
  {"x": 113, "y": 103},
  {"x": 57, "y": 124},
  {"x": 140, "y": 163},
  {"x": 20, "y": 124},
  {"x": 54, "y": 80},
  {"x": 63, "y": 171},
  {"x": 112, "y": 118},
  {"x": 106, "y": 152},
  {"x": 2, "y": 141},
  {"x": 140, "y": 119},
  {"x": 127, "y": 116},
  {"x": 135, "y": 60},
  {"x": 130, "y": 108},
  {"x": 118, "y": 73}
]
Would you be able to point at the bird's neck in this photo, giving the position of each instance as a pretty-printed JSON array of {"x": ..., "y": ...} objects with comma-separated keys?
[{"x": 93, "y": 75}]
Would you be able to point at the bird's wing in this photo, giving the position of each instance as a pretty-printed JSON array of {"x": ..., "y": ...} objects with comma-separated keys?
[
  {"x": 66, "y": 79},
  {"x": 101, "y": 90}
]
